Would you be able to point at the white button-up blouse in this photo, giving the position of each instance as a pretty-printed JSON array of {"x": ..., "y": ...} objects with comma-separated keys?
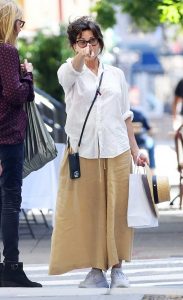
[{"x": 105, "y": 134}]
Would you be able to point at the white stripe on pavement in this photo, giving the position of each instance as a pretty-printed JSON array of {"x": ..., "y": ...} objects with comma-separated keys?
[
  {"x": 141, "y": 273},
  {"x": 126, "y": 265}
]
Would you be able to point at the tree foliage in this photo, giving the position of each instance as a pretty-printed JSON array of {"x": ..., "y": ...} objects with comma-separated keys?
[
  {"x": 105, "y": 13},
  {"x": 147, "y": 14}
]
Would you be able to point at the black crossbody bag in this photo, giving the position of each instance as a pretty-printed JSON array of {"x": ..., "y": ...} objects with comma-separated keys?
[{"x": 74, "y": 164}]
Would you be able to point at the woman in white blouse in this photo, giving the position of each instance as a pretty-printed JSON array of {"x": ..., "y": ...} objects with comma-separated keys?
[{"x": 91, "y": 214}]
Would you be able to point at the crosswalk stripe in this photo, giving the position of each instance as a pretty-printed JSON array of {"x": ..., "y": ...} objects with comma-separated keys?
[
  {"x": 129, "y": 272},
  {"x": 141, "y": 273},
  {"x": 147, "y": 262},
  {"x": 163, "y": 283}
]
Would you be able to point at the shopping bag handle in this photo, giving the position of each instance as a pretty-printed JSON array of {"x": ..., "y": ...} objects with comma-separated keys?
[{"x": 137, "y": 168}]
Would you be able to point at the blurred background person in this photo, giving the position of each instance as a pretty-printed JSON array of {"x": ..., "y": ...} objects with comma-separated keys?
[
  {"x": 143, "y": 134},
  {"x": 177, "y": 106}
]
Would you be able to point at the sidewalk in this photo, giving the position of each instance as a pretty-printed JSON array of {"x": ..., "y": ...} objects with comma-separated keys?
[
  {"x": 150, "y": 245},
  {"x": 90, "y": 294},
  {"x": 164, "y": 242}
]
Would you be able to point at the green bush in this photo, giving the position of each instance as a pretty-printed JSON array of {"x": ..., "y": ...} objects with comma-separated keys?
[{"x": 47, "y": 53}]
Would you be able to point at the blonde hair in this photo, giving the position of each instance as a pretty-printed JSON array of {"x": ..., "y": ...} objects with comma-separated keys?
[{"x": 9, "y": 13}]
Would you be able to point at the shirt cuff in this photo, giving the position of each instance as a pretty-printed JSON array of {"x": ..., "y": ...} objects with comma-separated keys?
[
  {"x": 128, "y": 114},
  {"x": 69, "y": 61}
]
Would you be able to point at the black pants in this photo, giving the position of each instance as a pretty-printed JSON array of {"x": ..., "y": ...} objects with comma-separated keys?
[{"x": 11, "y": 157}]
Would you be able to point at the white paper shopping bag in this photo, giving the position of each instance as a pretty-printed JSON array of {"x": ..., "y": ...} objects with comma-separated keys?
[{"x": 141, "y": 212}]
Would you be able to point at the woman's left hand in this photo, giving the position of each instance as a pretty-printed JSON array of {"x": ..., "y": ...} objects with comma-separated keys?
[
  {"x": 26, "y": 67},
  {"x": 140, "y": 159}
]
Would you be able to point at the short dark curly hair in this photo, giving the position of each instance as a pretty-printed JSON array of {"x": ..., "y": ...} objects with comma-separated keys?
[{"x": 76, "y": 28}]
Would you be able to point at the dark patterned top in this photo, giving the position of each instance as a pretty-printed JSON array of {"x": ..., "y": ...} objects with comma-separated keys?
[{"x": 15, "y": 90}]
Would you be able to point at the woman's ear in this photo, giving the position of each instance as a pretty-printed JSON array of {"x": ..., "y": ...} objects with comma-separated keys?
[
  {"x": 15, "y": 28},
  {"x": 74, "y": 48}
]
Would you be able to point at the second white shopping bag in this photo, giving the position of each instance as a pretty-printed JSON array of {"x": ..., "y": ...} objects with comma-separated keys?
[{"x": 141, "y": 210}]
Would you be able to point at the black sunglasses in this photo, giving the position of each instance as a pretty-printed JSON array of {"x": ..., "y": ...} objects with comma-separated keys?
[
  {"x": 22, "y": 23},
  {"x": 83, "y": 43}
]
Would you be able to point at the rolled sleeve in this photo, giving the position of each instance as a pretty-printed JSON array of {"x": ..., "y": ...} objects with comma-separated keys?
[{"x": 128, "y": 114}]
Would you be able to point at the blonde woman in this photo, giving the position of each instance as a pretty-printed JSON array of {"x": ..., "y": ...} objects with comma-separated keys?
[
  {"x": 91, "y": 214},
  {"x": 16, "y": 88}
]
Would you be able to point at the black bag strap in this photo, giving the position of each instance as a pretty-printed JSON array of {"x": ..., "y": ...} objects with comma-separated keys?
[
  {"x": 83, "y": 128},
  {"x": 146, "y": 187},
  {"x": 96, "y": 94}
]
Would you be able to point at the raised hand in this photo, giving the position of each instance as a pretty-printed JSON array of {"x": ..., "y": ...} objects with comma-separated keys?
[
  {"x": 27, "y": 66},
  {"x": 86, "y": 52}
]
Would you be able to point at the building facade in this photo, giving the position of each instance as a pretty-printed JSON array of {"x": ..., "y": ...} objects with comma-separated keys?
[{"x": 40, "y": 14}]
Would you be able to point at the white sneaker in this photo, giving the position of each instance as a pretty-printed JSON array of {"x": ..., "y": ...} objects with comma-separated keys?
[
  {"x": 118, "y": 279},
  {"x": 94, "y": 279}
]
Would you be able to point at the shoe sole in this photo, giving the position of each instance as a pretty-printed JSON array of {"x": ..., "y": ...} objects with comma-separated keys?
[
  {"x": 92, "y": 286},
  {"x": 119, "y": 286},
  {"x": 14, "y": 284}
]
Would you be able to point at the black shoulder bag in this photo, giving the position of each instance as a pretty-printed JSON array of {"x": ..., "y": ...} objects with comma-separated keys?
[{"x": 74, "y": 164}]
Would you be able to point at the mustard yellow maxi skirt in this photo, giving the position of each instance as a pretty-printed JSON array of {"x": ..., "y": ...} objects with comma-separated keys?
[{"x": 91, "y": 216}]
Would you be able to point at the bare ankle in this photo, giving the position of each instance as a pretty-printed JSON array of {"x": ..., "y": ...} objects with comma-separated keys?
[
  {"x": 96, "y": 269},
  {"x": 117, "y": 265}
]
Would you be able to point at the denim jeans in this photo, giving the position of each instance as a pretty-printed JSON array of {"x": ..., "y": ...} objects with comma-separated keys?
[
  {"x": 12, "y": 157},
  {"x": 147, "y": 142},
  {"x": 149, "y": 145}
]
